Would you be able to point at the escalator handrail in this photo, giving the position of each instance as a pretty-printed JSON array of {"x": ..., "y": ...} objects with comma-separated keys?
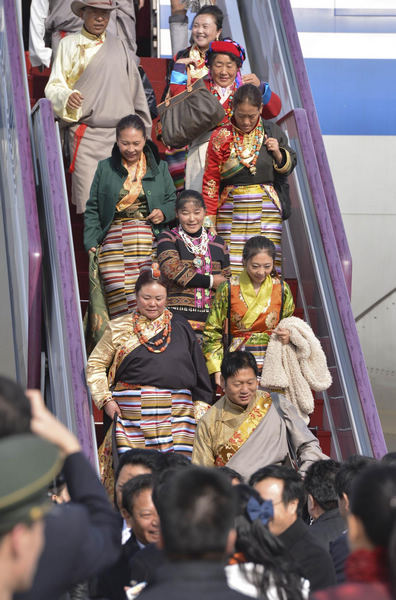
[
  {"x": 22, "y": 125},
  {"x": 341, "y": 294}
]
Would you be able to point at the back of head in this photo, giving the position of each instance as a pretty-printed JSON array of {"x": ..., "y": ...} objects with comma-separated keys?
[
  {"x": 293, "y": 486},
  {"x": 260, "y": 547},
  {"x": 15, "y": 411},
  {"x": 319, "y": 483},
  {"x": 373, "y": 501},
  {"x": 389, "y": 458},
  {"x": 197, "y": 510},
  {"x": 348, "y": 472}
]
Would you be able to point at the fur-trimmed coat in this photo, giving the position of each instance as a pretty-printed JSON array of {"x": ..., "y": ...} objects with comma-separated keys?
[{"x": 297, "y": 367}]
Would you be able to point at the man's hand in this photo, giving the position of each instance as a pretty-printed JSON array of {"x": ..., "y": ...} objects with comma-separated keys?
[
  {"x": 75, "y": 100},
  {"x": 156, "y": 216},
  {"x": 46, "y": 425}
]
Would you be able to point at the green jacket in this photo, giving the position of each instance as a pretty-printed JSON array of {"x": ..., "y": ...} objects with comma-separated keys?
[{"x": 106, "y": 186}]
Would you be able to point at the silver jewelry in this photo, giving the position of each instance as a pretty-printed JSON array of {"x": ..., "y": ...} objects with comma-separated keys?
[{"x": 199, "y": 250}]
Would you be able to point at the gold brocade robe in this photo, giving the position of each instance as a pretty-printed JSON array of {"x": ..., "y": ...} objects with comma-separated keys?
[{"x": 268, "y": 444}]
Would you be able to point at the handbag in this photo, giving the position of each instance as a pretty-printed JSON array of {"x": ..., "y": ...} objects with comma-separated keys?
[{"x": 189, "y": 114}]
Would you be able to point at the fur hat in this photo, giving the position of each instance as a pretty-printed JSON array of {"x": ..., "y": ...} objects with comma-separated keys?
[{"x": 78, "y": 5}]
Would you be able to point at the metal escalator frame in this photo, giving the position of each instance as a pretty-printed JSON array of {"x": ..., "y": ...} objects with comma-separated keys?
[
  {"x": 363, "y": 415},
  {"x": 67, "y": 392},
  {"x": 312, "y": 202},
  {"x": 22, "y": 235}
]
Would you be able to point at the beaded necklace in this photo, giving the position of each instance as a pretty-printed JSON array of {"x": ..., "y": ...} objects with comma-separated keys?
[
  {"x": 200, "y": 249},
  {"x": 162, "y": 341},
  {"x": 248, "y": 145}
]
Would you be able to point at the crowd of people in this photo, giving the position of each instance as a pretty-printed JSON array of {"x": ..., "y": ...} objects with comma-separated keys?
[
  {"x": 180, "y": 530},
  {"x": 212, "y": 484}
]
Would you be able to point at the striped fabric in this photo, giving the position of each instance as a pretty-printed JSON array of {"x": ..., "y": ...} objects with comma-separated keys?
[
  {"x": 247, "y": 211},
  {"x": 176, "y": 159},
  {"x": 127, "y": 249},
  {"x": 159, "y": 419}
]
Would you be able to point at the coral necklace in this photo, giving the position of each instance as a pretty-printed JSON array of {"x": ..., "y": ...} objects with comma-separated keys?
[
  {"x": 163, "y": 341},
  {"x": 248, "y": 145}
]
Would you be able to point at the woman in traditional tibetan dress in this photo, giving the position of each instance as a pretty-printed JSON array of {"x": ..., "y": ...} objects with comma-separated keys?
[
  {"x": 224, "y": 59},
  {"x": 245, "y": 182},
  {"x": 193, "y": 261},
  {"x": 248, "y": 308},
  {"x": 148, "y": 369},
  {"x": 206, "y": 27},
  {"x": 132, "y": 198}
]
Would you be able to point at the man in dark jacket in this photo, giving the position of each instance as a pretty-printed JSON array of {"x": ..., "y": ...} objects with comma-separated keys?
[
  {"x": 286, "y": 490},
  {"x": 82, "y": 536},
  {"x": 327, "y": 522},
  {"x": 197, "y": 511}
]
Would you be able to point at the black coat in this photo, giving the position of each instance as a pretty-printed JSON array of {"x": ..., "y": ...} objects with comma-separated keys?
[
  {"x": 145, "y": 563},
  {"x": 195, "y": 580},
  {"x": 339, "y": 552},
  {"x": 328, "y": 527},
  {"x": 313, "y": 561},
  {"x": 81, "y": 537},
  {"x": 110, "y": 583}
]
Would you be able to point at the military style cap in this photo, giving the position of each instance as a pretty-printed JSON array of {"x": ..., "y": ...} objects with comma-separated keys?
[
  {"x": 78, "y": 5},
  {"x": 27, "y": 465}
]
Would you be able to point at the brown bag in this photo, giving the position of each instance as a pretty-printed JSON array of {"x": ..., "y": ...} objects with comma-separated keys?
[{"x": 189, "y": 114}]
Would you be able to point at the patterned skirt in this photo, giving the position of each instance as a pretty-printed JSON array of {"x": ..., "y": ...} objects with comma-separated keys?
[
  {"x": 176, "y": 159},
  {"x": 154, "y": 418},
  {"x": 248, "y": 210},
  {"x": 127, "y": 249}
]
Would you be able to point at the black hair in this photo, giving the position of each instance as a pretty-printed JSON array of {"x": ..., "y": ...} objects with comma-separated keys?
[
  {"x": 348, "y": 472},
  {"x": 389, "y": 458},
  {"x": 260, "y": 547},
  {"x": 293, "y": 486},
  {"x": 231, "y": 474},
  {"x": 247, "y": 93},
  {"x": 319, "y": 482},
  {"x": 215, "y": 12},
  {"x": 373, "y": 501},
  {"x": 189, "y": 196},
  {"x": 146, "y": 277},
  {"x": 236, "y": 59},
  {"x": 15, "y": 410},
  {"x": 197, "y": 509},
  {"x": 130, "y": 122},
  {"x": 234, "y": 361},
  {"x": 175, "y": 460},
  {"x": 257, "y": 244},
  {"x": 133, "y": 487},
  {"x": 151, "y": 459}
]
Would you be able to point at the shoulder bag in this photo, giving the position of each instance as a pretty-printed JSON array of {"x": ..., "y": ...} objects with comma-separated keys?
[{"x": 189, "y": 114}]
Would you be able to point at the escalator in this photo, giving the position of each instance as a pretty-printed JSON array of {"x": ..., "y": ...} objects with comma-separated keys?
[{"x": 316, "y": 254}]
